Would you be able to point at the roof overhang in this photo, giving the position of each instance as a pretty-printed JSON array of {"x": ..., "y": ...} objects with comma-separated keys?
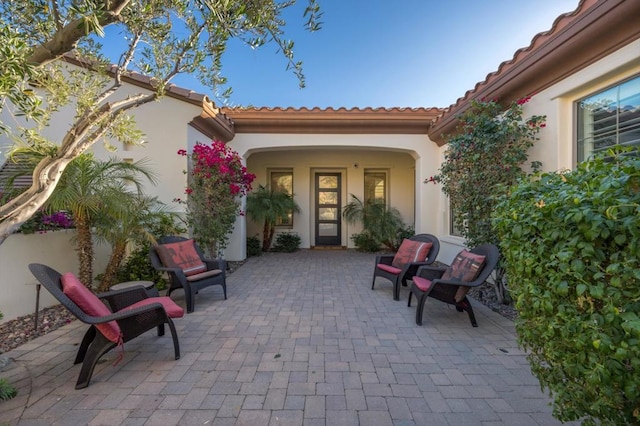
[
  {"x": 333, "y": 121},
  {"x": 577, "y": 39},
  {"x": 211, "y": 122}
]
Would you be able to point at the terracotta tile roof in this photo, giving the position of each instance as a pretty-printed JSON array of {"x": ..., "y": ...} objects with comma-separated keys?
[
  {"x": 332, "y": 120},
  {"x": 211, "y": 121},
  {"x": 576, "y": 39}
]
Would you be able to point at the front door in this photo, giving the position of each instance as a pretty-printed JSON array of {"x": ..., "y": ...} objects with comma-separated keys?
[{"x": 328, "y": 209}]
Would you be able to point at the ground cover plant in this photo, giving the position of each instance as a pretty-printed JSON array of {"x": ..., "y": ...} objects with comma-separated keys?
[{"x": 571, "y": 245}]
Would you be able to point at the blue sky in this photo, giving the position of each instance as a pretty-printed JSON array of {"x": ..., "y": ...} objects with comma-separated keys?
[{"x": 380, "y": 53}]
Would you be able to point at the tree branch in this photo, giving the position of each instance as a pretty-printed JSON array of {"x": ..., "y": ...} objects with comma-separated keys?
[{"x": 66, "y": 38}]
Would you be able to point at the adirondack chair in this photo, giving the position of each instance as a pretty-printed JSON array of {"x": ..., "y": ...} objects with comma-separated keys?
[{"x": 130, "y": 313}]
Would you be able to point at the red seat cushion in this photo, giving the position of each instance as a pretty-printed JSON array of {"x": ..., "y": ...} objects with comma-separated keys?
[
  {"x": 422, "y": 283},
  {"x": 411, "y": 251},
  {"x": 183, "y": 255},
  {"x": 173, "y": 310},
  {"x": 205, "y": 274},
  {"x": 389, "y": 268},
  {"x": 90, "y": 305}
]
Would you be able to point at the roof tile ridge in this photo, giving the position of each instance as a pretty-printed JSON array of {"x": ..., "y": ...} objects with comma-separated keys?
[
  {"x": 207, "y": 103},
  {"x": 522, "y": 52}
]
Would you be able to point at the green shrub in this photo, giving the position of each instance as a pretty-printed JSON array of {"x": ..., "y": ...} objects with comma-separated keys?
[
  {"x": 287, "y": 242},
  {"x": 366, "y": 242},
  {"x": 253, "y": 246},
  {"x": 137, "y": 267},
  {"x": 7, "y": 390},
  {"x": 483, "y": 158},
  {"x": 378, "y": 220},
  {"x": 571, "y": 248},
  {"x": 404, "y": 232}
]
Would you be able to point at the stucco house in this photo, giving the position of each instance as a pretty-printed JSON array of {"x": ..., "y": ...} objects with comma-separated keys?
[{"x": 583, "y": 73}]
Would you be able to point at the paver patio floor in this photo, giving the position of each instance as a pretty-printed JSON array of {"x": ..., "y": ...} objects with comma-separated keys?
[{"x": 301, "y": 340}]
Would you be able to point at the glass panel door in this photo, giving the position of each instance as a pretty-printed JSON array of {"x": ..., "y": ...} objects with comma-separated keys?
[{"x": 328, "y": 209}]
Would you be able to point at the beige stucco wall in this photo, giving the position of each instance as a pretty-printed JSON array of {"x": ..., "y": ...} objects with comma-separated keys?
[
  {"x": 166, "y": 129},
  {"x": 408, "y": 159},
  {"x": 556, "y": 148},
  {"x": 55, "y": 249}
]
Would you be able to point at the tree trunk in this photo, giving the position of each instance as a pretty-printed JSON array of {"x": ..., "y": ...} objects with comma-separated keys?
[
  {"x": 83, "y": 133},
  {"x": 84, "y": 247},
  {"x": 266, "y": 241},
  {"x": 117, "y": 254},
  {"x": 500, "y": 286},
  {"x": 272, "y": 230}
]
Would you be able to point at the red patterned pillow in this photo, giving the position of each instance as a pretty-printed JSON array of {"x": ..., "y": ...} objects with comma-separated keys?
[
  {"x": 181, "y": 255},
  {"x": 90, "y": 305},
  {"x": 411, "y": 251},
  {"x": 465, "y": 267}
]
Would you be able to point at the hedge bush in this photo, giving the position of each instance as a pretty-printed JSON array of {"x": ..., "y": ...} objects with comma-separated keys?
[
  {"x": 365, "y": 242},
  {"x": 253, "y": 246},
  {"x": 570, "y": 242},
  {"x": 287, "y": 242}
]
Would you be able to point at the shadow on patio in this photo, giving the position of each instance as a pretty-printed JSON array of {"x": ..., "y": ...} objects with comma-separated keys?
[{"x": 302, "y": 339}]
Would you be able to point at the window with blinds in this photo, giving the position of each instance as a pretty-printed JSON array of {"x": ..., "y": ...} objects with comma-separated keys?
[{"x": 610, "y": 117}]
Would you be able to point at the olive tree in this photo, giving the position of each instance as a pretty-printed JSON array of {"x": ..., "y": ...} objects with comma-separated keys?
[{"x": 161, "y": 39}]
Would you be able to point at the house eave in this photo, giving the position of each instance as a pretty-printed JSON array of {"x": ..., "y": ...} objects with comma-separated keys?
[
  {"x": 333, "y": 121},
  {"x": 576, "y": 40},
  {"x": 213, "y": 122}
]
